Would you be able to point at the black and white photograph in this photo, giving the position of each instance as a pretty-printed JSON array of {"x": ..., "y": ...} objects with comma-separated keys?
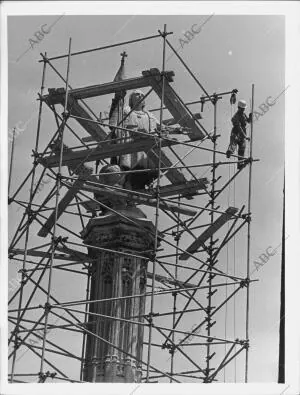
[{"x": 150, "y": 197}]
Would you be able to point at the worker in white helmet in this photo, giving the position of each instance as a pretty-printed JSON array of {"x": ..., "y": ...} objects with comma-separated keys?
[{"x": 238, "y": 135}]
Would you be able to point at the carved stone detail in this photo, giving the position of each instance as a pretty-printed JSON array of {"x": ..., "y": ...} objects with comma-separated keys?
[{"x": 117, "y": 275}]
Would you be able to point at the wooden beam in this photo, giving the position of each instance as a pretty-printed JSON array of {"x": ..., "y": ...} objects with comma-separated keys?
[
  {"x": 56, "y": 95},
  {"x": 132, "y": 196},
  {"x": 90, "y": 206},
  {"x": 186, "y": 189},
  {"x": 41, "y": 254},
  {"x": 172, "y": 121},
  {"x": 79, "y": 254},
  {"x": 223, "y": 218},
  {"x": 82, "y": 171},
  {"x": 62, "y": 205},
  {"x": 94, "y": 129},
  {"x": 173, "y": 175},
  {"x": 103, "y": 151},
  {"x": 174, "y": 104},
  {"x": 167, "y": 122},
  {"x": 164, "y": 279}
]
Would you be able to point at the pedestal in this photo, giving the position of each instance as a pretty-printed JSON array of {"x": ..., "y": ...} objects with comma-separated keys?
[{"x": 117, "y": 276}]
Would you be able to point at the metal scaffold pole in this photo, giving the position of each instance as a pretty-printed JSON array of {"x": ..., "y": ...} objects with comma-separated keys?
[
  {"x": 177, "y": 239},
  {"x": 11, "y": 160},
  {"x": 54, "y": 239},
  {"x": 27, "y": 231},
  {"x": 249, "y": 239},
  {"x": 211, "y": 246},
  {"x": 156, "y": 240}
]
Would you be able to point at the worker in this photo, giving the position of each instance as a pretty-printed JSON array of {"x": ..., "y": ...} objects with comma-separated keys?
[{"x": 238, "y": 135}]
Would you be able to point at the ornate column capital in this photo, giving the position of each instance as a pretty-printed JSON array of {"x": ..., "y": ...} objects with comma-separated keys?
[{"x": 116, "y": 232}]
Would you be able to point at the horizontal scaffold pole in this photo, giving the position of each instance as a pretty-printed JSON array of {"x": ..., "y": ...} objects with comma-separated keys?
[{"x": 107, "y": 46}]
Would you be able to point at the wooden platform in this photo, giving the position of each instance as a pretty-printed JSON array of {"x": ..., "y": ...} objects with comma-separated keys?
[{"x": 223, "y": 218}]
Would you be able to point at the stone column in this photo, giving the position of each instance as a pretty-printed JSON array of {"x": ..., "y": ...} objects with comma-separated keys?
[{"x": 114, "y": 276}]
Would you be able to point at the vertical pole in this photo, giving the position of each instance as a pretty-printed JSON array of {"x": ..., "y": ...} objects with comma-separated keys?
[
  {"x": 157, "y": 205},
  {"x": 210, "y": 276},
  {"x": 175, "y": 293},
  {"x": 11, "y": 160},
  {"x": 27, "y": 229},
  {"x": 281, "y": 362},
  {"x": 248, "y": 239},
  {"x": 58, "y": 185},
  {"x": 85, "y": 320}
]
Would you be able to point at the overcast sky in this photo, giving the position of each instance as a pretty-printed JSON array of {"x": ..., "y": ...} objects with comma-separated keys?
[{"x": 228, "y": 52}]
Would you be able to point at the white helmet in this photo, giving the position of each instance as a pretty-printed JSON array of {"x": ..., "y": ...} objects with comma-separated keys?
[{"x": 242, "y": 104}]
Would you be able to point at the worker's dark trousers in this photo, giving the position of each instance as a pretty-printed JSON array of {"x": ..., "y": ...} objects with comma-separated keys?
[{"x": 236, "y": 140}]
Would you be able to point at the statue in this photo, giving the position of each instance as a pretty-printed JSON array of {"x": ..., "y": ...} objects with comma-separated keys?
[
  {"x": 135, "y": 117},
  {"x": 136, "y": 123}
]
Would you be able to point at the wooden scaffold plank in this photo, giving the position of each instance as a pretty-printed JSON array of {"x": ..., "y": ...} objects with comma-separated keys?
[
  {"x": 213, "y": 228},
  {"x": 170, "y": 281},
  {"x": 62, "y": 206},
  {"x": 104, "y": 151},
  {"x": 56, "y": 96},
  {"x": 94, "y": 129},
  {"x": 82, "y": 171},
  {"x": 174, "y": 104},
  {"x": 136, "y": 198},
  {"x": 79, "y": 256},
  {"x": 186, "y": 189}
]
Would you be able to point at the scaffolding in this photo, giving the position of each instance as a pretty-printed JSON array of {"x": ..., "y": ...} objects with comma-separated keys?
[{"x": 178, "y": 291}]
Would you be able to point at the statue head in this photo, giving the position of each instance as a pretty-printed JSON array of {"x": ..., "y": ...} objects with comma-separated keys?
[{"x": 135, "y": 100}]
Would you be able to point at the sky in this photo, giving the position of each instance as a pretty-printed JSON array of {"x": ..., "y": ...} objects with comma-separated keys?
[{"x": 230, "y": 51}]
